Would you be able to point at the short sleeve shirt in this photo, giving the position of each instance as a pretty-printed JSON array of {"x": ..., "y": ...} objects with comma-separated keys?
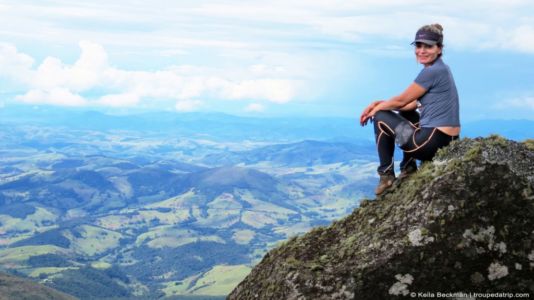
[{"x": 440, "y": 104}]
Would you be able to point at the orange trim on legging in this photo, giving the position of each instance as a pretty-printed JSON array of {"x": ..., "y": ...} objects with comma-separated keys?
[
  {"x": 423, "y": 144},
  {"x": 378, "y": 138},
  {"x": 382, "y": 131},
  {"x": 382, "y": 123},
  {"x": 413, "y": 136}
]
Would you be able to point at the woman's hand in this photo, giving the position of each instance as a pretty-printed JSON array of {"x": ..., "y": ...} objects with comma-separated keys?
[
  {"x": 368, "y": 113},
  {"x": 407, "y": 98}
]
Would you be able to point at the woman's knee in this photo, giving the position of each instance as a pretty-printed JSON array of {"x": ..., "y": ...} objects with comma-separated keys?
[
  {"x": 410, "y": 115},
  {"x": 383, "y": 115}
]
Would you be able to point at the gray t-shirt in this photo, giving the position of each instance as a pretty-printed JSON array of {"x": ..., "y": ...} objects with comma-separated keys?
[{"x": 439, "y": 105}]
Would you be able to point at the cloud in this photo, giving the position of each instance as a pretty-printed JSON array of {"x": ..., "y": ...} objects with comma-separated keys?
[
  {"x": 54, "y": 96},
  {"x": 521, "y": 39},
  {"x": 84, "y": 74},
  {"x": 13, "y": 64},
  {"x": 90, "y": 80},
  {"x": 187, "y": 26},
  {"x": 275, "y": 90},
  {"x": 255, "y": 107},
  {"x": 266, "y": 70},
  {"x": 119, "y": 100},
  {"x": 188, "y": 105},
  {"x": 173, "y": 55},
  {"x": 523, "y": 103}
]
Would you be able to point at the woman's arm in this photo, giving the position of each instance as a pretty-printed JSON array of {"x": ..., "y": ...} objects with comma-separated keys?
[
  {"x": 410, "y": 106},
  {"x": 409, "y": 96}
]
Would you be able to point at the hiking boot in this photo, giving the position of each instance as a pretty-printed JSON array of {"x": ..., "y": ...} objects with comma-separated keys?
[
  {"x": 407, "y": 171},
  {"x": 386, "y": 181}
]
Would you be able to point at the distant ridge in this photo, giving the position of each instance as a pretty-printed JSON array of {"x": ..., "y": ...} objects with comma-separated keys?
[
  {"x": 304, "y": 153},
  {"x": 230, "y": 127},
  {"x": 218, "y": 126},
  {"x": 518, "y": 130}
]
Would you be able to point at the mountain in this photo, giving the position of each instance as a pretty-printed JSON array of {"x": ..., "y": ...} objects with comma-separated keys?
[
  {"x": 117, "y": 214},
  {"x": 224, "y": 128},
  {"x": 95, "y": 189},
  {"x": 462, "y": 223},
  {"x": 12, "y": 287},
  {"x": 226, "y": 179},
  {"x": 304, "y": 153},
  {"x": 218, "y": 126},
  {"x": 167, "y": 204},
  {"x": 517, "y": 130}
]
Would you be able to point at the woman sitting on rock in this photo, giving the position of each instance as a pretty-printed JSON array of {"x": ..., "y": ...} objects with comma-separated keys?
[{"x": 396, "y": 120}]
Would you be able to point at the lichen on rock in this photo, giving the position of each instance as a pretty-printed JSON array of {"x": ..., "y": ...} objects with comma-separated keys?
[
  {"x": 417, "y": 238},
  {"x": 496, "y": 271},
  {"x": 463, "y": 222},
  {"x": 401, "y": 286}
]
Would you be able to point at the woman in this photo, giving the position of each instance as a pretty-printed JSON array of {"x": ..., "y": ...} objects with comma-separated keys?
[{"x": 396, "y": 120}]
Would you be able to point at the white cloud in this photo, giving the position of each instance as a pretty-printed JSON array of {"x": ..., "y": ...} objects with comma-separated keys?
[
  {"x": 275, "y": 90},
  {"x": 54, "y": 96},
  {"x": 84, "y": 74},
  {"x": 266, "y": 70},
  {"x": 119, "y": 100},
  {"x": 523, "y": 103},
  {"x": 187, "y": 26},
  {"x": 49, "y": 74},
  {"x": 255, "y": 107},
  {"x": 14, "y": 64},
  {"x": 54, "y": 82},
  {"x": 86, "y": 71},
  {"x": 521, "y": 39},
  {"x": 188, "y": 105},
  {"x": 278, "y": 51}
]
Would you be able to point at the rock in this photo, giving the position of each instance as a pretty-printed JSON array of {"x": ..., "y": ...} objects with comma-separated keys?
[{"x": 462, "y": 223}]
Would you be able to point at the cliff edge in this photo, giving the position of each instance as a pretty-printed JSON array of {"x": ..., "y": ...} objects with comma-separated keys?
[{"x": 463, "y": 223}]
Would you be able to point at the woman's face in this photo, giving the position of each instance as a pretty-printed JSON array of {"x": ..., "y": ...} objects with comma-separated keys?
[{"x": 426, "y": 54}]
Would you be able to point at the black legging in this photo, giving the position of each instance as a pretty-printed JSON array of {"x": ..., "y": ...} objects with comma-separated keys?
[{"x": 423, "y": 144}]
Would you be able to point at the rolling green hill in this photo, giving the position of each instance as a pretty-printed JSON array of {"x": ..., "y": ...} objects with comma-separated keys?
[
  {"x": 304, "y": 153},
  {"x": 124, "y": 214}
]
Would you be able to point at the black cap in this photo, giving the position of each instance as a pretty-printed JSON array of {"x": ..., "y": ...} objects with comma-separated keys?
[{"x": 428, "y": 37}]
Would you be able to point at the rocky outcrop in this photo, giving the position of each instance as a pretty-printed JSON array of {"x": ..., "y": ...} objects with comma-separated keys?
[{"x": 463, "y": 223}]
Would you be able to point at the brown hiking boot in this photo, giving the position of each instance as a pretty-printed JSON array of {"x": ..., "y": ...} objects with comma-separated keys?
[
  {"x": 386, "y": 181},
  {"x": 406, "y": 172}
]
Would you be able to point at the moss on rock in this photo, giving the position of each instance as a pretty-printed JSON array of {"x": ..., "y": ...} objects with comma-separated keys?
[{"x": 463, "y": 222}]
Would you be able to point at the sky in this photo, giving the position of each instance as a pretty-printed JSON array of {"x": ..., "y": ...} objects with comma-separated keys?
[{"x": 260, "y": 58}]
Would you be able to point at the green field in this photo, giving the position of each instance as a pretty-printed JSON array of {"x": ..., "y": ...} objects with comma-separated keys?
[
  {"x": 21, "y": 254},
  {"x": 220, "y": 280}
]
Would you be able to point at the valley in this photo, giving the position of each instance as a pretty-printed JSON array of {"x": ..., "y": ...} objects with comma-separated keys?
[{"x": 122, "y": 212}]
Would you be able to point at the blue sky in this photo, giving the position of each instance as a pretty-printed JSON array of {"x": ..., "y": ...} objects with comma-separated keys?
[{"x": 265, "y": 58}]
